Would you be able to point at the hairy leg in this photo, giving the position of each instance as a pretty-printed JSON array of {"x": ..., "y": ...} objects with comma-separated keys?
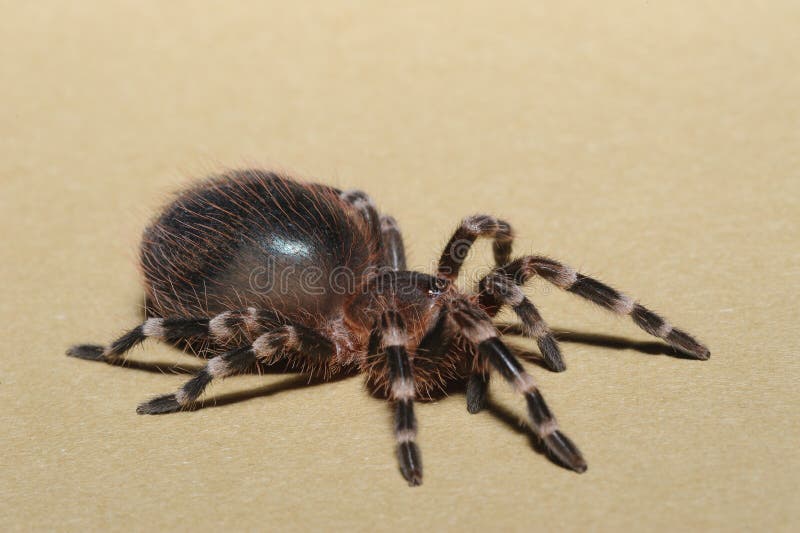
[
  {"x": 220, "y": 328},
  {"x": 393, "y": 249},
  {"x": 477, "y": 327},
  {"x": 456, "y": 250},
  {"x": 285, "y": 341},
  {"x": 436, "y": 343},
  {"x": 522, "y": 269},
  {"x": 402, "y": 391},
  {"x": 505, "y": 292},
  {"x": 362, "y": 203},
  {"x": 477, "y": 391}
]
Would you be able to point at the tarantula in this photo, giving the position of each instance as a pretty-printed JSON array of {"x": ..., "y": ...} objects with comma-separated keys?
[{"x": 263, "y": 268}]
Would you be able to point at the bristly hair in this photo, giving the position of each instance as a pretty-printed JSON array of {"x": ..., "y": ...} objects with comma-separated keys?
[
  {"x": 226, "y": 271},
  {"x": 199, "y": 255}
]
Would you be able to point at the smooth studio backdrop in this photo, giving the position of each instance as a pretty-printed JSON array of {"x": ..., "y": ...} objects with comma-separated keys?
[{"x": 655, "y": 145}]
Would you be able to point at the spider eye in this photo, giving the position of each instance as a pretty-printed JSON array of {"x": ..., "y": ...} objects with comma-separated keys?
[{"x": 437, "y": 287}]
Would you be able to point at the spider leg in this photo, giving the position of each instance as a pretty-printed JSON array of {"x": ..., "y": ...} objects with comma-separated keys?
[
  {"x": 390, "y": 244},
  {"x": 393, "y": 338},
  {"x": 438, "y": 341},
  {"x": 456, "y": 250},
  {"x": 477, "y": 391},
  {"x": 477, "y": 327},
  {"x": 393, "y": 249},
  {"x": 362, "y": 203},
  {"x": 565, "y": 277},
  {"x": 268, "y": 348},
  {"x": 506, "y": 292},
  {"x": 231, "y": 362},
  {"x": 222, "y": 328}
]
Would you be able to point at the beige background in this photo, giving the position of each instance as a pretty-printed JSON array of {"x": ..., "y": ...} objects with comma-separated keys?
[{"x": 654, "y": 144}]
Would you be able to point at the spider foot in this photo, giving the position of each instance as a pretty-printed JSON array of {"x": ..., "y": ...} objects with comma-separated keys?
[
  {"x": 687, "y": 344},
  {"x": 410, "y": 464},
  {"x": 90, "y": 352},
  {"x": 167, "y": 403},
  {"x": 565, "y": 451},
  {"x": 477, "y": 388},
  {"x": 551, "y": 354}
]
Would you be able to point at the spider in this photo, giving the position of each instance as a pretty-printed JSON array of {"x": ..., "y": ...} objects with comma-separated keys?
[{"x": 265, "y": 269}]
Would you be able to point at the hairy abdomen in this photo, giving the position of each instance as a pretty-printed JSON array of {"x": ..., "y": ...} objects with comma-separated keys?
[{"x": 253, "y": 238}]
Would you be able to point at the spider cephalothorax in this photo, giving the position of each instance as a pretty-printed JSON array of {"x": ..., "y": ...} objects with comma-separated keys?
[{"x": 262, "y": 268}]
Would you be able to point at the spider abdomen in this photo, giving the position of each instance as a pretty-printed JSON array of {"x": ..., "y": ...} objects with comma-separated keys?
[{"x": 254, "y": 238}]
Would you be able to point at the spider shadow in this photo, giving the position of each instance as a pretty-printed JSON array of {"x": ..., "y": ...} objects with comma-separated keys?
[
  {"x": 517, "y": 424},
  {"x": 507, "y": 417},
  {"x": 600, "y": 340},
  {"x": 510, "y": 419},
  {"x": 499, "y": 412},
  {"x": 162, "y": 367},
  {"x": 294, "y": 382}
]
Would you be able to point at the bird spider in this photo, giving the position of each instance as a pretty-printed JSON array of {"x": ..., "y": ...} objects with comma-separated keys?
[{"x": 264, "y": 269}]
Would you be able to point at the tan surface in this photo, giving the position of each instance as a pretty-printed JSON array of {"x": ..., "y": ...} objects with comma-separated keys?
[{"x": 655, "y": 144}]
